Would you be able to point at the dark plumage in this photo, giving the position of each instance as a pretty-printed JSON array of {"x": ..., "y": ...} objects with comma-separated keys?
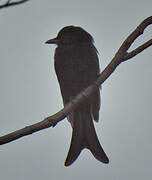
[{"x": 77, "y": 66}]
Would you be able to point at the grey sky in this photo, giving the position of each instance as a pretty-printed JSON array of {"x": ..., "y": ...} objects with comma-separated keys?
[{"x": 29, "y": 91}]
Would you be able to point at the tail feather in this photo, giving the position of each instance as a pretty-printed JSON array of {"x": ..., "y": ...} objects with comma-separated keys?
[
  {"x": 84, "y": 136},
  {"x": 76, "y": 142},
  {"x": 93, "y": 142}
]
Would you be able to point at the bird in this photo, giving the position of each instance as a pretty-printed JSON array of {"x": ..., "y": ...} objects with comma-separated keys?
[{"x": 76, "y": 65}]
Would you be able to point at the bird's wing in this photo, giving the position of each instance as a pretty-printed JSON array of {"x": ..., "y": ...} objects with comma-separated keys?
[{"x": 95, "y": 105}]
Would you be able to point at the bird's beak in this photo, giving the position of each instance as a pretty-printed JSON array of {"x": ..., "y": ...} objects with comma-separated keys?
[{"x": 52, "y": 41}]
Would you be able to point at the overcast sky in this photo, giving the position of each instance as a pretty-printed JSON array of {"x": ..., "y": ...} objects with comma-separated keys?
[{"x": 29, "y": 91}]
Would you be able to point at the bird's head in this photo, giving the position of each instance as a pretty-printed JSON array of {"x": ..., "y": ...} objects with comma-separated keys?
[{"x": 71, "y": 35}]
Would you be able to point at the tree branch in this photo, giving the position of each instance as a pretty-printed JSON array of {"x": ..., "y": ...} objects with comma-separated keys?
[
  {"x": 9, "y": 3},
  {"x": 121, "y": 56}
]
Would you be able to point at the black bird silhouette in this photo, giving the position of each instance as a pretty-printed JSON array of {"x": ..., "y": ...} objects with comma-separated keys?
[{"x": 77, "y": 66}]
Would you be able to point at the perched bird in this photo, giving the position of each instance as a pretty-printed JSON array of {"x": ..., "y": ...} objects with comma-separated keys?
[{"x": 77, "y": 66}]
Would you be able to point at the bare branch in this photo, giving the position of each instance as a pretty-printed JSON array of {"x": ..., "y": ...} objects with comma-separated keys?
[
  {"x": 138, "y": 49},
  {"x": 121, "y": 56},
  {"x": 9, "y": 3}
]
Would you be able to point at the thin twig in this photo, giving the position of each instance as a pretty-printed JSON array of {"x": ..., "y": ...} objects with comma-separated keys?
[{"x": 9, "y": 3}]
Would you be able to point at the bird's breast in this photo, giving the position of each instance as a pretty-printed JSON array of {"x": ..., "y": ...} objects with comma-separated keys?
[{"x": 76, "y": 64}]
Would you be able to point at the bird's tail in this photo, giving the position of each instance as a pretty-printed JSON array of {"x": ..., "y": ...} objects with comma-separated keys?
[{"x": 84, "y": 136}]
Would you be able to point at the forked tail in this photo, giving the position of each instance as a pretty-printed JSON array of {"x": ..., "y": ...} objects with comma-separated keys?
[{"x": 84, "y": 136}]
